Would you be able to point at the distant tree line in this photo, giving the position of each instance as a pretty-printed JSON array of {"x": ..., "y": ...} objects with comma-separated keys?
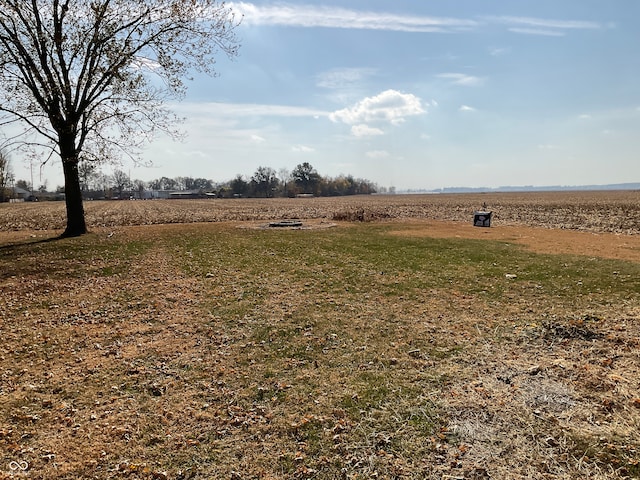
[{"x": 264, "y": 183}]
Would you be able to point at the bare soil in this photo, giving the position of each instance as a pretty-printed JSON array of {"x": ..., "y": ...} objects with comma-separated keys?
[
  {"x": 614, "y": 211},
  {"x": 536, "y": 239}
]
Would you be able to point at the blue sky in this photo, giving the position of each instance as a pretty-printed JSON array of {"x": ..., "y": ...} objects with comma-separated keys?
[{"x": 418, "y": 94}]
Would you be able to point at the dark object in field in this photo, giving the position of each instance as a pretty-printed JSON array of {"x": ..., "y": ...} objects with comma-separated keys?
[
  {"x": 286, "y": 223},
  {"x": 482, "y": 219}
]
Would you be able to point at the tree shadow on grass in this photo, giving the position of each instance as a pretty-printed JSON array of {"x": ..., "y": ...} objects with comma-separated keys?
[
  {"x": 10, "y": 247},
  {"x": 23, "y": 258}
]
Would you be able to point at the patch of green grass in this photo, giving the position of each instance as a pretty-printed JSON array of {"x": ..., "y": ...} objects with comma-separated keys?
[
  {"x": 364, "y": 260},
  {"x": 372, "y": 390},
  {"x": 614, "y": 454}
]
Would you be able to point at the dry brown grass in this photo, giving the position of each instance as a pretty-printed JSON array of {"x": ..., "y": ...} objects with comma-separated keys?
[{"x": 415, "y": 347}]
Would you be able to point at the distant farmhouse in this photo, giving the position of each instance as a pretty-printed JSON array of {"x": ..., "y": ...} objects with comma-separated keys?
[
  {"x": 17, "y": 194},
  {"x": 174, "y": 194},
  {"x": 183, "y": 194},
  {"x": 147, "y": 195}
]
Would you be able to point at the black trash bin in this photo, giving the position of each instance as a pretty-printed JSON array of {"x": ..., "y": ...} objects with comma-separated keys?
[{"x": 482, "y": 219}]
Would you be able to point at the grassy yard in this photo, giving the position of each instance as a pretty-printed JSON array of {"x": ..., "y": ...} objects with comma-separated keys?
[{"x": 210, "y": 351}]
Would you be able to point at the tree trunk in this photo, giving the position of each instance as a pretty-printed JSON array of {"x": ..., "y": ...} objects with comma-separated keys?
[{"x": 76, "y": 225}]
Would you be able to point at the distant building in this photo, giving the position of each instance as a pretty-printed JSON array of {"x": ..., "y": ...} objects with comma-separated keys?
[
  {"x": 184, "y": 194},
  {"x": 22, "y": 195}
]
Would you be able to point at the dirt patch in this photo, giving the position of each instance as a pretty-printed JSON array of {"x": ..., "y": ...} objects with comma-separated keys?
[{"x": 539, "y": 240}]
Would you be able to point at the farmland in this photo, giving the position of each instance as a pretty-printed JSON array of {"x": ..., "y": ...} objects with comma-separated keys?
[
  {"x": 387, "y": 338},
  {"x": 615, "y": 211}
]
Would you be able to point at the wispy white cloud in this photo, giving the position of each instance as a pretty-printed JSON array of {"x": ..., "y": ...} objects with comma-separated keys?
[
  {"x": 245, "y": 110},
  {"x": 365, "y": 131},
  {"x": 144, "y": 63},
  {"x": 257, "y": 139},
  {"x": 323, "y": 16},
  {"x": 498, "y": 51},
  {"x": 302, "y": 149},
  {"x": 547, "y": 23},
  {"x": 462, "y": 79},
  {"x": 343, "y": 77},
  {"x": 466, "y": 108},
  {"x": 289, "y": 14},
  {"x": 538, "y": 31},
  {"x": 389, "y": 106},
  {"x": 543, "y": 26},
  {"x": 378, "y": 154}
]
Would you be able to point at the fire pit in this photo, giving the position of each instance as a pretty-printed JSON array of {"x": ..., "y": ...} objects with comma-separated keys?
[{"x": 285, "y": 224}]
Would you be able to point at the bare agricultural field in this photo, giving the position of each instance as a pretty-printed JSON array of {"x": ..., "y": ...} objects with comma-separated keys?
[
  {"x": 400, "y": 343},
  {"x": 614, "y": 211}
]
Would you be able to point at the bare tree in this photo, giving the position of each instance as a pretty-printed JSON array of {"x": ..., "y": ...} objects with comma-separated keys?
[
  {"x": 139, "y": 186},
  {"x": 306, "y": 177},
  {"x": 24, "y": 185},
  {"x": 239, "y": 185},
  {"x": 202, "y": 184},
  {"x": 264, "y": 181},
  {"x": 87, "y": 172},
  {"x": 89, "y": 79},
  {"x": 6, "y": 175},
  {"x": 120, "y": 181},
  {"x": 284, "y": 175}
]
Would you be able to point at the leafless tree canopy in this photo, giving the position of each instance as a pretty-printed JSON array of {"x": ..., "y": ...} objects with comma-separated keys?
[
  {"x": 89, "y": 78},
  {"x": 104, "y": 68}
]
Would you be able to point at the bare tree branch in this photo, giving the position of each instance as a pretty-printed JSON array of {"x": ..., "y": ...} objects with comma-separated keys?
[{"x": 91, "y": 78}]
